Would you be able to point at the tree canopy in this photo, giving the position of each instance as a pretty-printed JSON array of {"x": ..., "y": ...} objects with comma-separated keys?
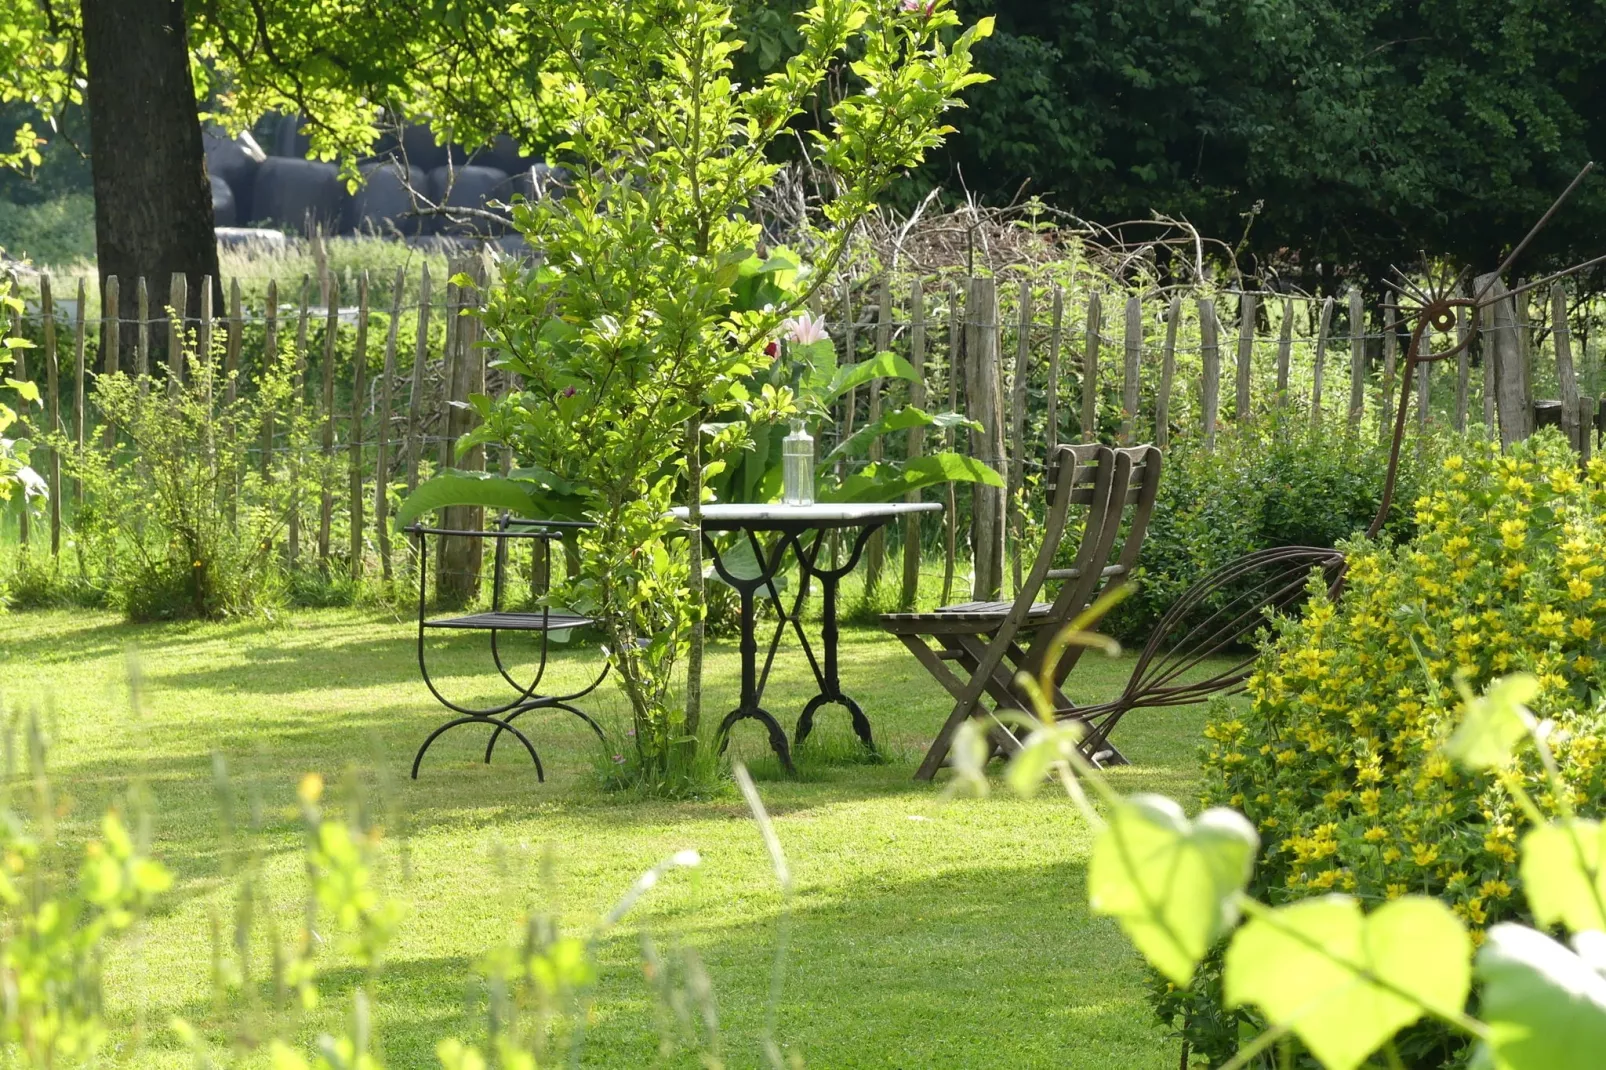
[
  {"x": 1347, "y": 133},
  {"x": 1352, "y": 132}
]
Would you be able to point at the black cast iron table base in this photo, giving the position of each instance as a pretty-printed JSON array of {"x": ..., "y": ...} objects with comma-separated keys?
[{"x": 826, "y": 676}]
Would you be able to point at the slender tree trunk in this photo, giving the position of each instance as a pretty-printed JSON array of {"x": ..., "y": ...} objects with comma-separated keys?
[
  {"x": 153, "y": 201},
  {"x": 699, "y": 592}
]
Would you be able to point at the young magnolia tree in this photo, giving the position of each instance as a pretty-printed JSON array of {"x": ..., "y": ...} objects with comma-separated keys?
[{"x": 653, "y": 303}]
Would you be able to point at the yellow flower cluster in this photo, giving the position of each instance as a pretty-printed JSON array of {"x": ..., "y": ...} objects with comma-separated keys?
[{"x": 1337, "y": 757}]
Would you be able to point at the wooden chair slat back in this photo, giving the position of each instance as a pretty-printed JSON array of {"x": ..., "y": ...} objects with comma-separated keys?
[
  {"x": 1144, "y": 487},
  {"x": 1098, "y": 537},
  {"x": 1081, "y": 474}
]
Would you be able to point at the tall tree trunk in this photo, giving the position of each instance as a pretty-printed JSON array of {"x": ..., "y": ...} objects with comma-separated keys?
[{"x": 153, "y": 200}]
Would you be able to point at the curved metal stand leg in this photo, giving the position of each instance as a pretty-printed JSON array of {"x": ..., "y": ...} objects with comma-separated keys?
[
  {"x": 805, "y": 721},
  {"x": 777, "y": 734},
  {"x": 540, "y": 773},
  {"x": 545, "y": 704}
]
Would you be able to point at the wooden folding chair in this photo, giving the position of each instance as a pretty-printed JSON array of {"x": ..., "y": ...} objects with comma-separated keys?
[{"x": 975, "y": 649}]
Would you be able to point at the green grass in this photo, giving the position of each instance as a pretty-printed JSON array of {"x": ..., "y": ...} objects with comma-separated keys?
[{"x": 926, "y": 932}]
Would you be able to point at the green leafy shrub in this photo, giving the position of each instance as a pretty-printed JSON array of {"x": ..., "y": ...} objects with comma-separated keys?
[
  {"x": 184, "y": 523},
  {"x": 1267, "y": 483},
  {"x": 1338, "y": 759}
]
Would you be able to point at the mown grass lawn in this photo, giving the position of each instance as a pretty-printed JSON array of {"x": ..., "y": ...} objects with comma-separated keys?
[{"x": 926, "y": 932}]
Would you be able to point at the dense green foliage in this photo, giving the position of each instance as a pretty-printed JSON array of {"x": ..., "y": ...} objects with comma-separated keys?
[
  {"x": 177, "y": 524},
  {"x": 1342, "y": 980},
  {"x": 1338, "y": 761},
  {"x": 1268, "y": 483},
  {"x": 1346, "y": 131}
]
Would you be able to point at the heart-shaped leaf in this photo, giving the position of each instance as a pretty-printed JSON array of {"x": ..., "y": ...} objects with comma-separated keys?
[
  {"x": 1494, "y": 723},
  {"x": 1171, "y": 883},
  {"x": 1561, "y": 874},
  {"x": 1544, "y": 1005},
  {"x": 1045, "y": 745},
  {"x": 1345, "y": 982}
]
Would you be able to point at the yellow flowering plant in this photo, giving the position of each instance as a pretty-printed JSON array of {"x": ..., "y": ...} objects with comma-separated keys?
[{"x": 1338, "y": 757}]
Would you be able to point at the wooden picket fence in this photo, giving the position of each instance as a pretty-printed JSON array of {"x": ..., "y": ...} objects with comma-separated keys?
[{"x": 1034, "y": 360}]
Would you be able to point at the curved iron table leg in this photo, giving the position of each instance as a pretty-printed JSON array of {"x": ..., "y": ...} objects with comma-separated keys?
[
  {"x": 540, "y": 773},
  {"x": 752, "y": 690},
  {"x": 763, "y": 716},
  {"x": 827, "y": 676}
]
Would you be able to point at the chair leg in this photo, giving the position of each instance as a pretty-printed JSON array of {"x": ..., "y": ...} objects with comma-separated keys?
[{"x": 540, "y": 773}]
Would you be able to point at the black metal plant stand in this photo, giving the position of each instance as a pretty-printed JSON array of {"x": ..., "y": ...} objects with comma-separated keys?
[{"x": 500, "y": 718}]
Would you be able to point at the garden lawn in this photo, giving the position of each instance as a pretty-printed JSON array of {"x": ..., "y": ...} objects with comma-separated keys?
[{"x": 926, "y": 931}]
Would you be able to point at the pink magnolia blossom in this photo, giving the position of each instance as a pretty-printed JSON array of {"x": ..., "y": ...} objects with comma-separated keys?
[
  {"x": 805, "y": 329},
  {"x": 923, "y": 7}
]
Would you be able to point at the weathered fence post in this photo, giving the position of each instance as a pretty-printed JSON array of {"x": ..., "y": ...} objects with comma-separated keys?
[
  {"x": 111, "y": 337},
  {"x": 78, "y": 341},
  {"x": 459, "y": 576},
  {"x": 1131, "y": 370},
  {"x": 232, "y": 342},
  {"x": 1246, "y": 355},
  {"x": 298, "y": 400},
  {"x": 1210, "y": 372},
  {"x": 1320, "y": 363},
  {"x": 1016, "y": 445},
  {"x": 270, "y": 362},
  {"x": 850, "y": 345},
  {"x": 47, "y": 313},
  {"x": 876, "y": 551},
  {"x": 1463, "y": 368},
  {"x": 1566, "y": 379},
  {"x": 1055, "y": 340},
  {"x": 326, "y": 492},
  {"x": 1357, "y": 359},
  {"x": 415, "y": 400},
  {"x": 19, "y": 368},
  {"x": 382, "y": 447},
  {"x": 917, "y": 444},
  {"x": 178, "y": 296},
  {"x": 1504, "y": 350},
  {"x": 203, "y": 326},
  {"x": 955, "y": 379},
  {"x": 1285, "y": 352},
  {"x": 359, "y": 390},
  {"x": 1168, "y": 372},
  {"x": 1090, "y": 369},
  {"x": 986, "y": 445},
  {"x": 1391, "y": 346},
  {"x": 142, "y": 334},
  {"x": 1586, "y": 429}
]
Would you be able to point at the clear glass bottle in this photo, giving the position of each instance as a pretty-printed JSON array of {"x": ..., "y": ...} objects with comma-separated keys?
[{"x": 797, "y": 471}]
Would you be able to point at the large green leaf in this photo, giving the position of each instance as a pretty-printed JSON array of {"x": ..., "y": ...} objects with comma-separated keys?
[
  {"x": 885, "y": 483},
  {"x": 1171, "y": 883},
  {"x": 1545, "y": 1006},
  {"x": 522, "y": 497},
  {"x": 1561, "y": 874},
  {"x": 1493, "y": 724},
  {"x": 884, "y": 365},
  {"x": 1346, "y": 982},
  {"x": 901, "y": 420}
]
